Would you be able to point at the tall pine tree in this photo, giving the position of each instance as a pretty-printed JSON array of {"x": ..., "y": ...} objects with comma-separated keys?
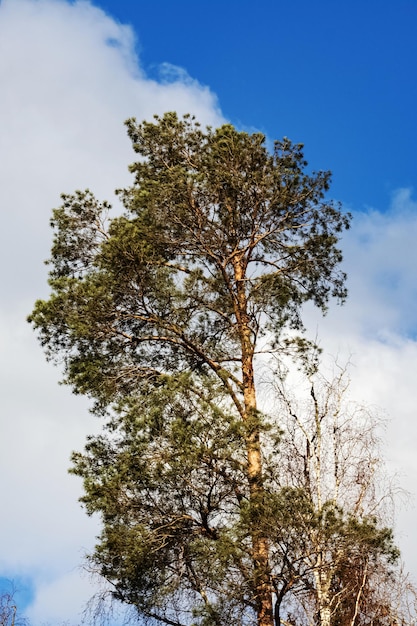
[{"x": 158, "y": 315}]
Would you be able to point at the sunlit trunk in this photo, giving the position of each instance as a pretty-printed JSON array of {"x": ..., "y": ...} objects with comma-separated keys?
[
  {"x": 260, "y": 547},
  {"x": 259, "y": 543}
]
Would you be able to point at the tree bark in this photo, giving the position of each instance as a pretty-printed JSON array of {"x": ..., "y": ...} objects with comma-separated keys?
[
  {"x": 260, "y": 546},
  {"x": 323, "y": 580}
]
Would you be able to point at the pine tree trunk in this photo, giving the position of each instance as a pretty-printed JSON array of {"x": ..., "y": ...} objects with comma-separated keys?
[
  {"x": 260, "y": 547},
  {"x": 259, "y": 543}
]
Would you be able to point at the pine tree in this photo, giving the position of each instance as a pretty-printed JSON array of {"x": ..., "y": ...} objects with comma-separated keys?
[{"x": 159, "y": 315}]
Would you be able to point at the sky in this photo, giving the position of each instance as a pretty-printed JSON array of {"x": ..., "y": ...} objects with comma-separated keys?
[{"x": 336, "y": 76}]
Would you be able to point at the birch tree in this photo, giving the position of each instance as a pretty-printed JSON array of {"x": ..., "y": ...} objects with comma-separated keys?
[{"x": 334, "y": 557}]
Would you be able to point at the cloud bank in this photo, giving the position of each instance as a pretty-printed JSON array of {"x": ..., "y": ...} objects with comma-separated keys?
[
  {"x": 69, "y": 76},
  {"x": 376, "y": 331}
]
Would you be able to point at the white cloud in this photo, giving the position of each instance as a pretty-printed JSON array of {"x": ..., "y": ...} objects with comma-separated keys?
[
  {"x": 65, "y": 94},
  {"x": 379, "y": 257},
  {"x": 69, "y": 77},
  {"x": 55, "y": 598},
  {"x": 377, "y": 330}
]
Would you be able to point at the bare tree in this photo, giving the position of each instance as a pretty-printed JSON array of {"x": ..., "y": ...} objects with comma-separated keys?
[
  {"x": 8, "y": 608},
  {"x": 334, "y": 560}
]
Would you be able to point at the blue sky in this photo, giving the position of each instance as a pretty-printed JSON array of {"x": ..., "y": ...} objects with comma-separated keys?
[
  {"x": 21, "y": 590},
  {"x": 337, "y": 76}
]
